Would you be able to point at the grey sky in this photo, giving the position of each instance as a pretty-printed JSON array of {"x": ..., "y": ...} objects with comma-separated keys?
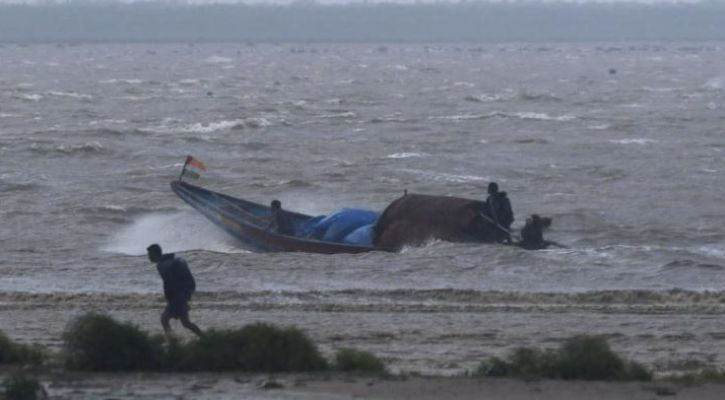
[{"x": 335, "y": 1}]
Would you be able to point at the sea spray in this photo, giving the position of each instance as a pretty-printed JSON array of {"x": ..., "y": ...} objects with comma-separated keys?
[{"x": 179, "y": 231}]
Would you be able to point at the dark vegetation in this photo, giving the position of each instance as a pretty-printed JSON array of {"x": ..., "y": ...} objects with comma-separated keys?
[
  {"x": 21, "y": 386},
  {"x": 358, "y": 361},
  {"x": 95, "y": 342},
  {"x": 15, "y": 353},
  {"x": 509, "y": 21},
  {"x": 254, "y": 348},
  {"x": 581, "y": 357},
  {"x": 98, "y": 343}
]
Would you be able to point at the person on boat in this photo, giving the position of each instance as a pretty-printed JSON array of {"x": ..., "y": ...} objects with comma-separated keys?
[
  {"x": 280, "y": 220},
  {"x": 179, "y": 285},
  {"x": 498, "y": 208},
  {"x": 532, "y": 234}
]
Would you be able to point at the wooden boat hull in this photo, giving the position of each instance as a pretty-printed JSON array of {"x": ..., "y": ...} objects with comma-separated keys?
[{"x": 247, "y": 221}]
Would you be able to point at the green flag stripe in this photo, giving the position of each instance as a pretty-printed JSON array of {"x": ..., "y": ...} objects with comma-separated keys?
[{"x": 192, "y": 174}]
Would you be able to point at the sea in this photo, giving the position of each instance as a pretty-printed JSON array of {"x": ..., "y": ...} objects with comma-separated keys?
[{"x": 621, "y": 144}]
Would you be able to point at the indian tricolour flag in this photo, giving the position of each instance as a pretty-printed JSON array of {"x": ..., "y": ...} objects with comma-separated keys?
[{"x": 192, "y": 168}]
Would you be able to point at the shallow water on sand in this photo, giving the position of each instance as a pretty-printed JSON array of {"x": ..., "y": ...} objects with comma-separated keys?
[{"x": 628, "y": 163}]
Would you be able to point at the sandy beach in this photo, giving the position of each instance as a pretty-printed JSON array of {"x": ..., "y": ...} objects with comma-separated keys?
[{"x": 141, "y": 386}]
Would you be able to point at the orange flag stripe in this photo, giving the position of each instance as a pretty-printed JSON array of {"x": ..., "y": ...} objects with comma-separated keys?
[{"x": 195, "y": 163}]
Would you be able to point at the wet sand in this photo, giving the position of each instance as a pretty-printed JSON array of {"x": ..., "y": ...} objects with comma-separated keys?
[{"x": 139, "y": 386}]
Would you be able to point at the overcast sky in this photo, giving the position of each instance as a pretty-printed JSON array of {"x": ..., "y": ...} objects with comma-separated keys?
[{"x": 343, "y": 1}]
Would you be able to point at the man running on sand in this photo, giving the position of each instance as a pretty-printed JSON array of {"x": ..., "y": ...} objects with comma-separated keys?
[{"x": 179, "y": 285}]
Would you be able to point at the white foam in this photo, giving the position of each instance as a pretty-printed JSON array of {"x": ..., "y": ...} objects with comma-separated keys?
[
  {"x": 484, "y": 98},
  {"x": 126, "y": 81},
  {"x": 32, "y": 97},
  {"x": 209, "y": 127},
  {"x": 345, "y": 114},
  {"x": 199, "y": 127},
  {"x": 217, "y": 60},
  {"x": 715, "y": 83},
  {"x": 69, "y": 94},
  {"x": 180, "y": 231},
  {"x": 446, "y": 177},
  {"x": 108, "y": 121},
  {"x": 712, "y": 251},
  {"x": 658, "y": 89},
  {"x": 520, "y": 115},
  {"x": 114, "y": 207},
  {"x": 459, "y": 117},
  {"x": 543, "y": 116},
  {"x": 404, "y": 155},
  {"x": 464, "y": 84},
  {"x": 638, "y": 141}
]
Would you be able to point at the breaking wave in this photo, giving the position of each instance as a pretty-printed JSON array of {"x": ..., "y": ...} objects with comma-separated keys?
[
  {"x": 87, "y": 147},
  {"x": 638, "y": 141},
  {"x": 69, "y": 94},
  {"x": 715, "y": 83},
  {"x": 404, "y": 301},
  {"x": 516, "y": 115},
  {"x": 210, "y": 127},
  {"x": 124, "y": 81},
  {"x": 405, "y": 155},
  {"x": 446, "y": 177},
  {"x": 180, "y": 231},
  {"x": 217, "y": 60}
]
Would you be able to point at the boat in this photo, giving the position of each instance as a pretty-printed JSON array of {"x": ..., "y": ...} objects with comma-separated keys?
[
  {"x": 247, "y": 221},
  {"x": 410, "y": 220}
]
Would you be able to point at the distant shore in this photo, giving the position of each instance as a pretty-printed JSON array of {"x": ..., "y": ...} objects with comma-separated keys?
[{"x": 389, "y": 22}]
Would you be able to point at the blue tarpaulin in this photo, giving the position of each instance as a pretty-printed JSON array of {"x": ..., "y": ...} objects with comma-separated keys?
[
  {"x": 362, "y": 236},
  {"x": 335, "y": 227}
]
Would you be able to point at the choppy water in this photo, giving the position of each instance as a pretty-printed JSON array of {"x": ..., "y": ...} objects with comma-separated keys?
[{"x": 621, "y": 144}]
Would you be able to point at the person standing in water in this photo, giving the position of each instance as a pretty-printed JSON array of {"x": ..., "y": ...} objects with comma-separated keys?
[
  {"x": 179, "y": 285},
  {"x": 498, "y": 207}
]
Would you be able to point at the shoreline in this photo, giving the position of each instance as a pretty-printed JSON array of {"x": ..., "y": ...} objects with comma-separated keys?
[{"x": 335, "y": 385}]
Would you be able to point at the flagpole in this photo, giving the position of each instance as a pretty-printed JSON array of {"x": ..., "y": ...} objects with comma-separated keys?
[{"x": 188, "y": 158}]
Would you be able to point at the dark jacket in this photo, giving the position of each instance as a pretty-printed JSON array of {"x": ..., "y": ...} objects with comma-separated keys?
[
  {"x": 282, "y": 223},
  {"x": 498, "y": 207},
  {"x": 532, "y": 234},
  {"x": 532, "y": 237},
  {"x": 178, "y": 281}
]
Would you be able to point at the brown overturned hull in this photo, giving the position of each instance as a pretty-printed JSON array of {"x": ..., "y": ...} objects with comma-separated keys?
[{"x": 413, "y": 219}]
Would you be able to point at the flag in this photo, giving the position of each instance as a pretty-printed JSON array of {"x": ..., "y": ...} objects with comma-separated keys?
[
  {"x": 192, "y": 168},
  {"x": 191, "y": 161}
]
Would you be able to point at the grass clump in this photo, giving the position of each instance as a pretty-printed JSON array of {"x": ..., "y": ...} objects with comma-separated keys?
[
  {"x": 95, "y": 342},
  {"x": 360, "y": 361},
  {"x": 581, "y": 357},
  {"x": 15, "y": 353},
  {"x": 255, "y": 348},
  {"x": 98, "y": 343},
  {"x": 20, "y": 386}
]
